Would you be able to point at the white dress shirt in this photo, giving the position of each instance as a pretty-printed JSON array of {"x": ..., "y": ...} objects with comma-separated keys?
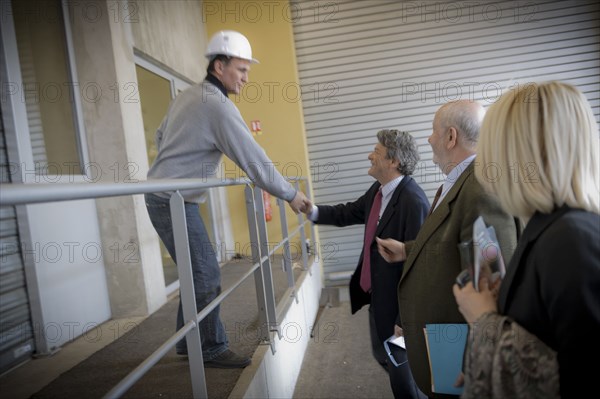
[{"x": 453, "y": 177}]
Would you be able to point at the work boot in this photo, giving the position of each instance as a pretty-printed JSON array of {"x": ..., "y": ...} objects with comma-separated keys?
[
  {"x": 228, "y": 360},
  {"x": 181, "y": 351}
]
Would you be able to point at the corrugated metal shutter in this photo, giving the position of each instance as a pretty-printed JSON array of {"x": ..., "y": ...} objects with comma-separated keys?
[
  {"x": 369, "y": 65},
  {"x": 16, "y": 333},
  {"x": 31, "y": 96}
]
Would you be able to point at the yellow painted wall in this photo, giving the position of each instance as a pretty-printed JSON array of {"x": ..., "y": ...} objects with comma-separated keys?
[{"x": 272, "y": 96}]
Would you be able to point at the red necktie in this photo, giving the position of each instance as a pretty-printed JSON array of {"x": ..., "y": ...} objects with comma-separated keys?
[
  {"x": 365, "y": 276},
  {"x": 435, "y": 199}
]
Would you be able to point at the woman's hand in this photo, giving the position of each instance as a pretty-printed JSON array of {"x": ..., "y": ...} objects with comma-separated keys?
[
  {"x": 391, "y": 250},
  {"x": 460, "y": 380},
  {"x": 473, "y": 304}
]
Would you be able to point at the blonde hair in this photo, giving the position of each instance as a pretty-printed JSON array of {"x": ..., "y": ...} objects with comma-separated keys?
[{"x": 538, "y": 150}]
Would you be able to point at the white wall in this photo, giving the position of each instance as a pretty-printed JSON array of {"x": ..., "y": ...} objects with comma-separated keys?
[
  {"x": 274, "y": 375},
  {"x": 69, "y": 270}
]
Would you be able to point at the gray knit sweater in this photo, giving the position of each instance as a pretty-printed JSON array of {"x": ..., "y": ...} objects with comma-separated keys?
[{"x": 200, "y": 126}]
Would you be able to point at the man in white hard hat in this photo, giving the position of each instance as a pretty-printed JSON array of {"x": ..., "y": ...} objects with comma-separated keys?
[{"x": 201, "y": 125}]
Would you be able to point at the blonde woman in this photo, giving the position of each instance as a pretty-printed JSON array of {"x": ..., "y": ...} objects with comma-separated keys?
[{"x": 538, "y": 153}]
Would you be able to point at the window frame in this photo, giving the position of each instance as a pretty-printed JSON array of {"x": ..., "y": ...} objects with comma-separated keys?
[{"x": 21, "y": 145}]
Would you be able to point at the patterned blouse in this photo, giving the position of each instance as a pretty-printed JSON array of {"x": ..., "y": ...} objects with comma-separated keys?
[{"x": 503, "y": 360}]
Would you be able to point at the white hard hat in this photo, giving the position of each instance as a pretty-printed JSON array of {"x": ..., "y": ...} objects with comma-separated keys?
[{"x": 231, "y": 43}]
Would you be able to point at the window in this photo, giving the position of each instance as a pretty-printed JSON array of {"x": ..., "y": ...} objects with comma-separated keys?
[
  {"x": 47, "y": 87},
  {"x": 155, "y": 96}
]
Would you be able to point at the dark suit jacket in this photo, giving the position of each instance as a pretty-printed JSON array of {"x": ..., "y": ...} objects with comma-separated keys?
[
  {"x": 552, "y": 289},
  {"x": 425, "y": 289},
  {"x": 401, "y": 220}
]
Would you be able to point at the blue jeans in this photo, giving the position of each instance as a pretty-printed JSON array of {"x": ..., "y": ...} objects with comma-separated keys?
[{"x": 205, "y": 271}]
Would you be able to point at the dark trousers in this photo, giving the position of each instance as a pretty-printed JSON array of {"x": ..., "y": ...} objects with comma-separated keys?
[{"x": 401, "y": 379}]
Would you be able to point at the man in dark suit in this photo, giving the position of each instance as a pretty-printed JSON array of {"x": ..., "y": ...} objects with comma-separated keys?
[
  {"x": 398, "y": 213},
  {"x": 433, "y": 258}
]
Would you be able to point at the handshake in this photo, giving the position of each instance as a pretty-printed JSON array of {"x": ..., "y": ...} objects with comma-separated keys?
[{"x": 301, "y": 203}]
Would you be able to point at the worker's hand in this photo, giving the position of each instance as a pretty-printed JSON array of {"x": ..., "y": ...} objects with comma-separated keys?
[
  {"x": 300, "y": 203},
  {"x": 391, "y": 250},
  {"x": 308, "y": 205}
]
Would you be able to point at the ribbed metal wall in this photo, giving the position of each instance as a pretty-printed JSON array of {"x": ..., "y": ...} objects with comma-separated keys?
[
  {"x": 16, "y": 333},
  {"x": 32, "y": 102},
  {"x": 369, "y": 65}
]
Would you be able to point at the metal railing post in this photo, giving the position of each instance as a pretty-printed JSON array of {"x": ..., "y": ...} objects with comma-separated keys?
[
  {"x": 302, "y": 236},
  {"x": 287, "y": 254},
  {"x": 265, "y": 265},
  {"x": 187, "y": 294},
  {"x": 313, "y": 242},
  {"x": 251, "y": 211}
]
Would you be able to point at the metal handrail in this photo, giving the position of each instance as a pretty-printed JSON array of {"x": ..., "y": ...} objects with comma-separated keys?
[
  {"x": 31, "y": 193},
  {"x": 19, "y": 194},
  {"x": 137, "y": 373}
]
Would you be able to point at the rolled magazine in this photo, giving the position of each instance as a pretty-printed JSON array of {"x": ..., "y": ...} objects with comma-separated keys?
[
  {"x": 487, "y": 257},
  {"x": 481, "y": 256}
]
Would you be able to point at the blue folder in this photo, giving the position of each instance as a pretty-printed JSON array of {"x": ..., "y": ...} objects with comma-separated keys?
[{"x": 445, "y": 349}]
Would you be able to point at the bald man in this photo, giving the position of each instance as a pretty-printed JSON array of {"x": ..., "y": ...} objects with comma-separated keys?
[{"x": 432, "y": 260}]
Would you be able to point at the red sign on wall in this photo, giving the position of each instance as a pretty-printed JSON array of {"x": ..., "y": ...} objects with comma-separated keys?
[{"x": 255, "y": 127}]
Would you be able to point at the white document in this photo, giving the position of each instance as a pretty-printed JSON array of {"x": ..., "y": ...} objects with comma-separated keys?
[{"x": 398, "y": 341}]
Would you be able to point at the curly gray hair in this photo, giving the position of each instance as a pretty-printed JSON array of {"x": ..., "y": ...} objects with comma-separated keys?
[{"x": 400, "y": 146}]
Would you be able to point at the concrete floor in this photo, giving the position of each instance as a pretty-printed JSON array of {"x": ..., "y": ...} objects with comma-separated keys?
[
  {"x": 28, "y": 378},
  {"x": 338, "y": 362}
]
